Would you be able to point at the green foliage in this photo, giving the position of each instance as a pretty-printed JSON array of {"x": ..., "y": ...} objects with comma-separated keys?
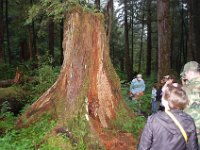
[
  {"x": 7, "y": 72},
  {"x": 121, "y": 74},
  {"x": 45, "y": 76},
  {"x": 54, "y": 9},
  {"x": 127, "y": 122},
  {"x": 11, "y": 92},
  {"x": 7, "y": 118},
  {"x": 58, "y": 142},
  {"x": 79, "y": 127},
  {"x": 144, "y": 104},
  {"x": 27, "y": 138}
]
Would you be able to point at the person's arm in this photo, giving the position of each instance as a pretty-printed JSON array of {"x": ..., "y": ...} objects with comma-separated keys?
[
  {"x": 132, "y": 87},
  {"x": 146, "y": 137},
  {"x": 192, "y": 141},
  {"x": 143, "y": 86}
]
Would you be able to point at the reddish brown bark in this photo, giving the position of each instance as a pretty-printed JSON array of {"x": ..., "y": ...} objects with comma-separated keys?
[
  {"x": 1, "y": 31},
  {"x": 164, "y": 35},
  {"x": 17, "y": 79},
  {"x": 24, "y": 52},
  {"x": 87, "y": 79}
]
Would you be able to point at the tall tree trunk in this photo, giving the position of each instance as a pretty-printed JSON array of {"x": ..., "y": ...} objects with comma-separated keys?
[
  {"x": 194, "y": 30},
  {"x": 88, "y": 85},
  {"x": 51, "y": 41},
  {"x": 128, "y": 66},
  {"x": 132, "y": 35},
  {"x": 30, "y": 42},
  {"x": 61, "y": 39},
  {"x": 141, "y": 41},
  {"x": 181, "y": 48},
  {"x": 34, "y": 46},
  {"x": 110, "y": 11},
  {"x": 173, "y": 52},
  {"x": 149, "y": 44},
  {"x": 1, "y": 33},
  {"x": 163, "y": 38},
  {"x": 97, "y": 3},
  {"x": 24, "y": 52},
  {"x": 7, "y": 35},
  {"x": 34, "y": 43},
  {"x": 141, "y": 46}
]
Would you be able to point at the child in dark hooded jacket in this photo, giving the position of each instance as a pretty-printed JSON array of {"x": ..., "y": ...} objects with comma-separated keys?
[{"x": 161, "y": 132}]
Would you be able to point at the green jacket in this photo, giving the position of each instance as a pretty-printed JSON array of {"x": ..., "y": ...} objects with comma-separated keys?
[{"x": 193, "y": 92}]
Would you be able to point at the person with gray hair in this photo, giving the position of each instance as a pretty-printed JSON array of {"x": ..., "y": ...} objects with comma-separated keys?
[
  {"x": 191, "y": 77},
  {"x": 137, "y": 87}
]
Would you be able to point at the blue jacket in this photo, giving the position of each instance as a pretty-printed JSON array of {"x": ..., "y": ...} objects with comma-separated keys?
[{"x": 137, "y": 86}]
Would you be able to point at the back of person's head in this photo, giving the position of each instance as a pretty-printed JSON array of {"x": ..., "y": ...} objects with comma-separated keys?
[
  {"x": 191, "y": 66},
  {"x": 176, "y": 97}
]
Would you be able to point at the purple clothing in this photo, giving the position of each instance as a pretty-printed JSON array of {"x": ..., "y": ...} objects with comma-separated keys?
[{"x": 161, "y": 133}]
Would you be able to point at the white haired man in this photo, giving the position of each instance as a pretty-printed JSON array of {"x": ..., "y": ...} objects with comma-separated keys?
[{"x": 137, "y": 87}]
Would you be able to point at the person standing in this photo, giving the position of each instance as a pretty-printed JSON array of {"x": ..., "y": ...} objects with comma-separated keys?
[
  {"x": 137, "y": 87},
  {"x": 191, "y": 75},
  {"x": 153, "y": 98},
  {"x": 161, "y": 132}
]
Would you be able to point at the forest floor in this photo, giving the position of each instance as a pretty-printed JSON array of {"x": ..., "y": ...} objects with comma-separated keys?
[{"x": 122, "y": 140}]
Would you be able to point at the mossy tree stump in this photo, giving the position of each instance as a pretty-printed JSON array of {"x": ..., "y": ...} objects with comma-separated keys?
[{"x": 87, "y": 83}]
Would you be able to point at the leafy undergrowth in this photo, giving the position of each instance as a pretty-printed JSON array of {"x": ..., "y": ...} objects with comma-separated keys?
[
  {"x": 25, "y": 138},
  {"x": 39, "y": 135}
]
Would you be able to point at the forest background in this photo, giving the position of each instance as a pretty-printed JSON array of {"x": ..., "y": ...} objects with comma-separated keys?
[{"x": 151, "y": 37}]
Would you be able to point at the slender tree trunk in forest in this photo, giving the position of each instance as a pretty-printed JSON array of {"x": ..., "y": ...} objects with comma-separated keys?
[
  {"x": 51, "y": 40},
  {"x": 34, "y": 46},
  {"x": 141, "y": 47},
  {"x": 30, "y": 42},
  {"x": 61, "y": 39},
  {"x": 194, "y": 30},
  {"x": 110, "y": 11},
  {"x": 163, "y": 38},
  {"x": 88, "y": 85},
  {"x": 173, "y": 54},
  {"x": 34, "y": 43},
  {"x": 182, "y": 47},
  {"x": 132, "y": 35},
  {"x": 24, "y": 52},
  {"x": 141, "y": 41},
  {"x": 128, "y": 67},
  {"x": 1, "y": 33},
  {"x": 149, "y": 44},
  {"x": 97, "y": 3},
  {"x": 7, "y": 34}
]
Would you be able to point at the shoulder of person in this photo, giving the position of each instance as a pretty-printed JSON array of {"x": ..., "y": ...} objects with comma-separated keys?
[
  {"x": 152, "y": 117},
  {"x": 134, "y": 80}
]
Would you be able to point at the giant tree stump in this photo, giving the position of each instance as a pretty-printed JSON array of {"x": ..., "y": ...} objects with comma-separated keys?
[{"x": 87, "y": 82}]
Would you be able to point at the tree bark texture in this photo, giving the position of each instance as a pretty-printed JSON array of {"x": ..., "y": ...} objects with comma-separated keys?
[
  {"x": 97, "y": 3},
  {"x": 1, "y": 32},
  {"x": 128, "y": 67},
  {"x": 194, "y": 31},
  {"x": 87, "y": 83},
  {"x": 51, "y": 37},
  {"x": 164, "y": 35},
  {"x": 8, "y": 34},
  {"x": 149, "y": 43}
]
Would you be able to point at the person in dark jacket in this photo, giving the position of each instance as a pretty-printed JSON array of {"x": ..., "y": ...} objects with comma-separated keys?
[{"x": 161, "y": 132}]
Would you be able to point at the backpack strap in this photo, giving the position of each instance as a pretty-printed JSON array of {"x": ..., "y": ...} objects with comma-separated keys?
[{"x": 178, "y": 125}]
